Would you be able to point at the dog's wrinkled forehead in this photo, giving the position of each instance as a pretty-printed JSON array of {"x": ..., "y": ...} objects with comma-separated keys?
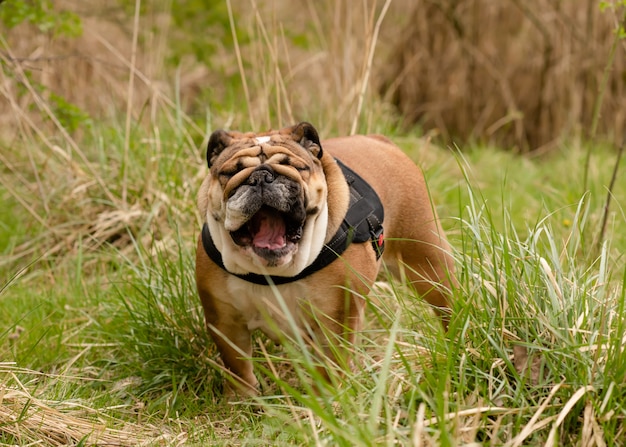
[
  {"x": 269, "y": 138},
  {"x": 301, "y": 139}
]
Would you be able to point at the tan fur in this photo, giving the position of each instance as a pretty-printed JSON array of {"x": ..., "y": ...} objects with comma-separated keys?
[{"x": 415, "y": 245}]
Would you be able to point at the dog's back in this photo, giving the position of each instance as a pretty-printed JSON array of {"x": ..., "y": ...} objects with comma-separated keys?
[{"x": 415, "y": 241}]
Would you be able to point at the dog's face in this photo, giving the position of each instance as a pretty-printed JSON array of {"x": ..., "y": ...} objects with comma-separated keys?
[{"x": 264, "y": 199}]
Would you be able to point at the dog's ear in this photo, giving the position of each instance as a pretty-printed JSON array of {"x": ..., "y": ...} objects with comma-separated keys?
[
  {"x": 220, "y": 139},
  {"x": 306, "y": 135}
]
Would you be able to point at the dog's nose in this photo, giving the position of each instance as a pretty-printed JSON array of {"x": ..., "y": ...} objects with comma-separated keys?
[{"x": 262, "y": 174}]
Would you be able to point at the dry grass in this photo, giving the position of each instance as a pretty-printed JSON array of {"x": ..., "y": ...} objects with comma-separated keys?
[
  {"x": 85, "y": 196},
  {"x": 325, "y": 75},
  {"x": 58, "y": 175},
  {"x": 522, "y": 73},
  {"x": 30, "y": 420},
  {"x": 326, "y": 78}
]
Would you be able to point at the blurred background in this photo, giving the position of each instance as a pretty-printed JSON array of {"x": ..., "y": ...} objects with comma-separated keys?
[
  {"x": 523, "y": 75},
  {"x": 105, "y": 107}
]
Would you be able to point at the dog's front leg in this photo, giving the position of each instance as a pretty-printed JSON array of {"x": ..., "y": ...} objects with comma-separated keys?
[{"x": 235, "y": 347}]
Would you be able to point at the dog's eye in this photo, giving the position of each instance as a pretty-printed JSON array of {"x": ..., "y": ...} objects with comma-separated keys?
[
  {"x": 230, "y": 170},
  {"x": 299, "y": 166},
  {"x": 227, "y": 174}
]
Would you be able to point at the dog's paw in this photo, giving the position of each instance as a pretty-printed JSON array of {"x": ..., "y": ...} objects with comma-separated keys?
[{"x": 236, "y": 391}]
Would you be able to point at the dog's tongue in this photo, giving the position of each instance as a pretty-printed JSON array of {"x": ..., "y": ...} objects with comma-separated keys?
[{"x": 270, "y": 232}]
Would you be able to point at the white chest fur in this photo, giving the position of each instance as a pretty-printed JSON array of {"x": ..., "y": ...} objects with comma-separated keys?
[{"x": 270, "y": 309}]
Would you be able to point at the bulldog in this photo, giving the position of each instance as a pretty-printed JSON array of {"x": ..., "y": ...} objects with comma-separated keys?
[{"x": 295, "y": 232}]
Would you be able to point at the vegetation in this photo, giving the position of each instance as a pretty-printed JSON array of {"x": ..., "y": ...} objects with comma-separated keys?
[
  {"x": 101, "y": 333},
  {"x": 526, "y": 74}
]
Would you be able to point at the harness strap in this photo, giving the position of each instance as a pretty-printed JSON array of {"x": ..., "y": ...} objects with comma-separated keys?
[{"x": 363, "y": 222}]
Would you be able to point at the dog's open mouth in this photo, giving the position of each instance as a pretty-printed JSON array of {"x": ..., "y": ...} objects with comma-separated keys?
[{"x": 269, "y": 232}]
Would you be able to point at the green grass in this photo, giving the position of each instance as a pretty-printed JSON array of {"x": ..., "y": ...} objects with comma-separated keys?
[{"x": 116, "y": 327}]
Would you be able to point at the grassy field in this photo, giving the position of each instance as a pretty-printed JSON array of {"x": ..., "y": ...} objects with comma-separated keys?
[
  {"x": 113, "y": 337},
  {"x": 102, "y": 338}
]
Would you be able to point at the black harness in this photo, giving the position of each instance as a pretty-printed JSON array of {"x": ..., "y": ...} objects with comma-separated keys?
[{"x": 363, "y": 222}]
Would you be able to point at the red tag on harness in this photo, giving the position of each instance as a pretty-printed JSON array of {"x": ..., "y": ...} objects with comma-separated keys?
[{"x": 378, "y": 242}]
